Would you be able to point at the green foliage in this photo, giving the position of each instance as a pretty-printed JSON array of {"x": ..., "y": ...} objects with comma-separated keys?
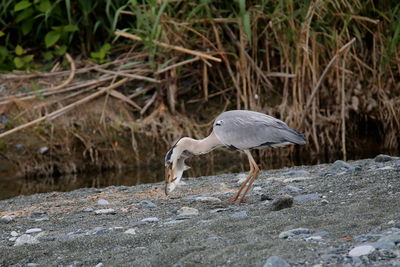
[
  {"x": 48, "y": 29},
  {"x": 51, "y": 27},
  {"x": 100, "y": 55}
]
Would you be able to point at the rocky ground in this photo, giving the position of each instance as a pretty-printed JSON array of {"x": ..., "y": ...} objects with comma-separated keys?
[{"x": 340, "y": 214}]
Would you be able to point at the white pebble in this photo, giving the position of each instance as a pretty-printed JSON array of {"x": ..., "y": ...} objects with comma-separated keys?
[
  {"x": 187, "y": 211},
  {"x": 130, "y": 231},
  {"x": 26, "y": 239},
  {"x": 13, "y": 233},
  {"x": 208, "y": 199},
  {"x": 33, "y": 230},
  {"x": 103, "y": 202},
  {"x": 105, "y": 211},
  {"x": 361, "y": 250}
]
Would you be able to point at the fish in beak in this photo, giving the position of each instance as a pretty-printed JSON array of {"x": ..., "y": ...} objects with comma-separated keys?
[{"x": 173, "y": 174}]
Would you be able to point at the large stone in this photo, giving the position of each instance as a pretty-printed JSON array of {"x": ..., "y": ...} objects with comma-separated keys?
[
  {"x": 26, "y": 239},
  {"x": 187, "y": 212},
  {"x": 383, "y": 158},
  {"x": 361, "y": 251},
  {"x": 276, "y": 261},
  {"x": 7, "y": 219},
  {"x": 282, "y": 202}
]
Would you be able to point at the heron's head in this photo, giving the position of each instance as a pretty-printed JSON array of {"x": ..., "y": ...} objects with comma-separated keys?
[{"x": 175, "y": 165}]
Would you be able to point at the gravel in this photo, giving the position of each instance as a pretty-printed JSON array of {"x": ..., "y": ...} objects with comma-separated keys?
[{"x": 358, "y": 225}]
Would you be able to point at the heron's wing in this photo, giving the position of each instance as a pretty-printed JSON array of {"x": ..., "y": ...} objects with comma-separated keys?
[{"x": 241, "y": 129}]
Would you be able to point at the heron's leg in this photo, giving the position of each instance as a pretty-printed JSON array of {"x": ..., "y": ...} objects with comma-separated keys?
[
  {"x": 254, "y": 176},
  {"x": 249, "y": 176}
]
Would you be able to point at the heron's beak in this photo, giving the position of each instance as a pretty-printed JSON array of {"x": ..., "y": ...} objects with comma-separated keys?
[{"x": 169, "y": 176}]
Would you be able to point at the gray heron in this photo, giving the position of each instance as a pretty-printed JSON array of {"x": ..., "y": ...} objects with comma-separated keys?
[{"x": 238, "y": 130}]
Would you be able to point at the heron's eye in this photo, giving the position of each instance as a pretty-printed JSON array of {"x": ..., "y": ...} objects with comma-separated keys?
[{"x": 219, "y": 123}]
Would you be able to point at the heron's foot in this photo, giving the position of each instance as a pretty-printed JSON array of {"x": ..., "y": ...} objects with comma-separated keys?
[{"x": 236, "y": 200}]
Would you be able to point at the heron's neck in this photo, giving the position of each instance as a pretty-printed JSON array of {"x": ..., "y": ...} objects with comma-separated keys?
[{"x": 202, "y": 146}]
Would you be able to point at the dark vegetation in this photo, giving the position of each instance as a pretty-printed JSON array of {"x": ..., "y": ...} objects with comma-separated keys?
[{"x": 99, "y": 84}]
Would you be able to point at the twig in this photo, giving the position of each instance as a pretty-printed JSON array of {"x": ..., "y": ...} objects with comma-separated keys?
[
  {"x": 135, "y": 94},
  {"x": 177, "y": 48},
  {"x": 64, "y": 109},
  {"x": 133, "y": 76},
  {"x": 152, "y": 99},
  {"x": 124, "y": 98},
  {"x": 177, "y": 65},
  {"x": 71, "y": 75},
  {"x": 356, "y": 17}
]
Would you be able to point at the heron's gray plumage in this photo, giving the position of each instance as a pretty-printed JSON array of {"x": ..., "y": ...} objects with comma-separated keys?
[{"x": 244, "y": 129}]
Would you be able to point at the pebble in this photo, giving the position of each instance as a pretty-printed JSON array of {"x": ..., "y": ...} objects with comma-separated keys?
[
  {"x": 293, "y": 232},
  {"x": 282, "y": 202},
  {"x": 130, "y": 231},
  {"x": 38, "y": 213},
  {"x": 291, "y": 189},
  {"x": 33, "y": 230},
  {"x": 42, "y": 219},
  {"x": 7, "y": 219},
  {"x": 383, "y": 158},
  {"x": 25, "y": 239},
  {"x": 208, "y": 199},
  {"x": 361, "y": 250},
  {"x": 146, "y": 204},
  {"x": 257, "y": 188},
  {"x": 187, "y": 212},
  {"x": 14, "y": 233},
  {"x": 194, "y": 196},
  {"x": 266, "y": 196},
  {"x": 276, "y": 261},
  {"x": 102, "y": 202},
  {"x": 99, "y": 265},
  {"x": 98, "y": 231},
  {"x": 324, "y": 202},
  {"x": 78, "y": 232},
  {"x": 150, "y": 220},
  {"x": 305, "y": 197},
  {"x": 88, "y": 210},
  {"x": 297, "y": 173},
  {"x": 105, "y": 211},
  {"x": 241, "y": 177},
  {"x": 241, "y": 213},
  {"x": 340, "y": 164},
  {"x": 172, "y": 221}
]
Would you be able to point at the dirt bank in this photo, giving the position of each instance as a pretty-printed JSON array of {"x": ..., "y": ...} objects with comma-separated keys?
[{"x": 342, "y": 213}]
